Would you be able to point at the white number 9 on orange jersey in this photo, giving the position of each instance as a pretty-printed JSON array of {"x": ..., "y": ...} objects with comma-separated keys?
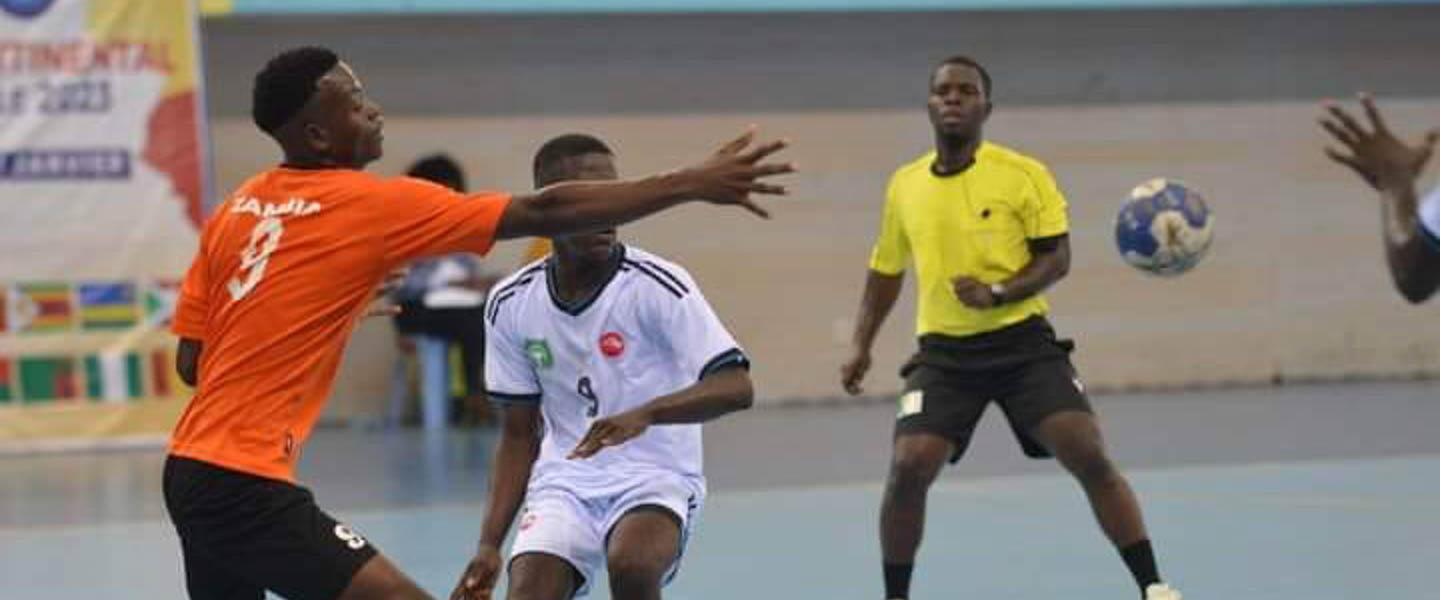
[{"x": 264, "y": 239}]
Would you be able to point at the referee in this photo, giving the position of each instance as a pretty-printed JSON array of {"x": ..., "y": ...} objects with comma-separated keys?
[{"x": 987, "y": 230}]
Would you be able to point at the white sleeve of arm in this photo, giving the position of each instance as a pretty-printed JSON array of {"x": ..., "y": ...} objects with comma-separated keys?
[
  {"x": 509, "y": 374},
  {"x": 697, "y": 339},
  {"x": 708, "y": 346},
  {"x": 1430, "y": 217}
]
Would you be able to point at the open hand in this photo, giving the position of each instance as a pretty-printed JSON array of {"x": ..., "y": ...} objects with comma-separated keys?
[
  {"x": 735, "y": 171},
  {"x": 478, "y": 580},
  {"x": 1376, "y": 155}
]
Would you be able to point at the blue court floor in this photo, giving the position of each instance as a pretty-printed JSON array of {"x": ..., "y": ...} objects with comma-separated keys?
[{"x": 1313, "y": 492}]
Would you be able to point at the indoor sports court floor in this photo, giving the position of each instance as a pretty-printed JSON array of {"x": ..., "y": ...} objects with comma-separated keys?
[{"x": 1314, "y": 492}]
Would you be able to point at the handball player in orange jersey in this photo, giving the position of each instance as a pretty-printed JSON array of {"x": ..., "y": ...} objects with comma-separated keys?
[{"x": 285, "y": 266}]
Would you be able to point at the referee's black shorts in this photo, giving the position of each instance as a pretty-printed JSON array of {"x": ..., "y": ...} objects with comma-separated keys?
[
  {"x": 1022, "y": 367},
  {"x": 242, "y": 535}
]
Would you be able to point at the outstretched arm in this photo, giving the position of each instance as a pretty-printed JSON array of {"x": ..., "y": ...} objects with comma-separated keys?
[
  {"x": 1391, "y": 168},
  {"x": 729, "y": 176}
]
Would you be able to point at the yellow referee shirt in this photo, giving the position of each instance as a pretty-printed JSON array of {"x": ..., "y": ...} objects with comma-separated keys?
[
  {"x": 537, "y": 250},
  {"x": 974, "y": 223}
]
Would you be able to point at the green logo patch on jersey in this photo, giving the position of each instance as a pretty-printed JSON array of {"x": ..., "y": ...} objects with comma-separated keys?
[{"x": 539, "y": 353}]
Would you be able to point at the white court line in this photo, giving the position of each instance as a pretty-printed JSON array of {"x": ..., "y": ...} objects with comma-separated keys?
[
  {"x": 1003, "y": 482},
  {"x": 980, "y": 486}
]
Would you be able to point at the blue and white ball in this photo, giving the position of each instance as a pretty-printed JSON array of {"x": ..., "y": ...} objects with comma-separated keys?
[{"x": 1164, "y": 228}]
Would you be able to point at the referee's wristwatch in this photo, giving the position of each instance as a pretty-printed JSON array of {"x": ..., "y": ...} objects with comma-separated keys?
[{"x": 997, "y": 291}]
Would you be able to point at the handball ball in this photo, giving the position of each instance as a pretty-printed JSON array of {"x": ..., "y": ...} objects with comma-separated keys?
[{"x": 1164, "y": 228}]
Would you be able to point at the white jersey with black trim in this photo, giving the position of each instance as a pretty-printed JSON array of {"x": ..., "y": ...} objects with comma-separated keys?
[{"x": 646, "y": 332}]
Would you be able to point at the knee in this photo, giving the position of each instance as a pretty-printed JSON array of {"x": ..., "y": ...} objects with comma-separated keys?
[
  {"x": 1090, "y": 465},
  {"x": 632, "y": 573},
  {"x": 912, "y": 472},
  {"x": 525, "y": 585},
  {"x": 531, "y": 590},
  {"x": 523, "y": 588}
]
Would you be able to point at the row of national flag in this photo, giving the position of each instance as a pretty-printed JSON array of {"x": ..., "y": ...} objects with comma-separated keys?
[
  {"x": 115, "y": 377},
  {"x": 58, "y": 307}
]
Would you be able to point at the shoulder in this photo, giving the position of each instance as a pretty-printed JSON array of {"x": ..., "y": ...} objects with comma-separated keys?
[
  {"x": 1013, "y": 161},
  {"x": 504, "y": 295},
  {"x": 338, "y": 186},
  {"x": 909, "y": 179},
  {"x": 255, "y": 183},
  {"x": 919, "y": 167},
  {"x": 259, "y": 184},
  {"x": 656, "y": 273},
  {"x": 397, "y": 185},
  {"x": 353, "y": 180}
]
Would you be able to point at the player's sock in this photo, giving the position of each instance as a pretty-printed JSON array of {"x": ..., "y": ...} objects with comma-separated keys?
[
  {"x": 897, "y": 580},
  {"x": 1140, "y": 558}
]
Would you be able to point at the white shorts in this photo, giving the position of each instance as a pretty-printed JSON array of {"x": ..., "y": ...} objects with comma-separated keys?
[{"x": 576, "y": 526}]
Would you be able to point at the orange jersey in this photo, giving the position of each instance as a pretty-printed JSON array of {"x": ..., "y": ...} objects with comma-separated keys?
[{"x": 286, "y": 267}]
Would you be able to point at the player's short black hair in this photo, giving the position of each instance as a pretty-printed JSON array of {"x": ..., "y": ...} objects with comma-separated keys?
[
  {"x": 562, "y": 147},
  {"x": 439, "y": 168},
  {"x": 960, "y": 59},
  {"x": 286, "y": 83}
]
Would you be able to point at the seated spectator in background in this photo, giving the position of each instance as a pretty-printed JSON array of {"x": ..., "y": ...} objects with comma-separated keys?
[{"x": 442, "y": 302}]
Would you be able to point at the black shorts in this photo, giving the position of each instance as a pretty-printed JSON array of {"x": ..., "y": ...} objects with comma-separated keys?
[
  {"x": 242, "y": 534},
  {"x": 1023, "y": 367}
]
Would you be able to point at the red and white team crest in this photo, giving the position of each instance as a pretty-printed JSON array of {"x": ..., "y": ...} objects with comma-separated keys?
[{"x": 611, "y": 344}]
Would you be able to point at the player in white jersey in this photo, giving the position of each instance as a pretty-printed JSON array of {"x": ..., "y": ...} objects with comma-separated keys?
[
  {"x": 606, "y": 359},
  {"x": 1411, "y": 225}
]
